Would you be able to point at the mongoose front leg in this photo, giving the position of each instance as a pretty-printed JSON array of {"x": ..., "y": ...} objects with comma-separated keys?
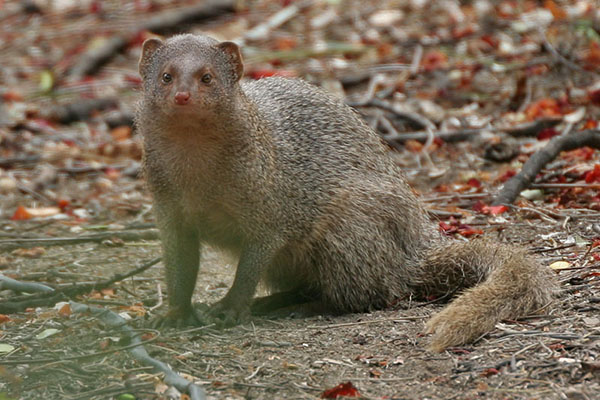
[
  {"x": 181, "y": 256},
  {"x": 234, "y": 308}
]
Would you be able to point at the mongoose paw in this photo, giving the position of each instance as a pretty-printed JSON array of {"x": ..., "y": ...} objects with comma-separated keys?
[
  {"x": 224, "y": 315},
  {"x": 177, "y": 319}
]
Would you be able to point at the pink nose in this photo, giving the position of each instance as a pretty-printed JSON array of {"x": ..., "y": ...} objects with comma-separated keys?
[{"x": 182, "y": 98}]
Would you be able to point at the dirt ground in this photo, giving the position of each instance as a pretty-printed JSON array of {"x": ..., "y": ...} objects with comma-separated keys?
[
  {"x": 550, "y": 356},
  {"x": 84, "y": 175}
]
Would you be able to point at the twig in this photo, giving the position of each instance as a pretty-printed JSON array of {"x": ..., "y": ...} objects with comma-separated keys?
[
  {"x": 538, "y": 160},
  {"x": 262, "y": 30},
  {"x": 532, "y": 128},
  {"x": 413, "y": 118},
  {"x": 527, "y": 129},
  {"x": 7, "y": 283},
  {"x": 81, "y": 109},
  {"x": 553, "y": 335},
  {"x": 11, "y": 244},
  {"x": 513, "y": 358},
  {"x": 49, "y": 298},
  {"x": 77, "y": 308},
  {"x": 565, "y": 185},
  {"x": 138, "y": 351},
  {"x": 377, "y": 321},
  {"x": 252, "y": 375},
  {"x": 556, "y": 55},
  {"x": 25, "y": 160}
]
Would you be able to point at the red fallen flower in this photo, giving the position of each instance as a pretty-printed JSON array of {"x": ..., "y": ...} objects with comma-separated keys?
[
  {"x": 456, "y": 227},
  {"x": 489, "y": 372},
  {"x": 547, "y": 133},
  {"x": 485, "y": 209},
  {"x": 594, "y": 96},
  {"x": 593, "y": 175},
  {"x": 20, "y": 214},
  {"x": 497, "y": 210},
  {"x": 507, "y": 175},
  {"x": 590, "y": 124},
  {"x": 265, "y": 73},
  {"x": 448, "y": 229},
  {"x": 434, "y": 60},
  {"x": 343, "y": 389},
  {"x": 474, "y": 182},
  {"x": 479, "y": 206},
  {"x": 467, "y": 231}
]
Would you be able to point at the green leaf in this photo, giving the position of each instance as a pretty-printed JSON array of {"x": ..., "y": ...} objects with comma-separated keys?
[
  {"x": 6, "y": 348},
  {"x": 46, "y": 332},
  {"x": 46, "y": 81}
]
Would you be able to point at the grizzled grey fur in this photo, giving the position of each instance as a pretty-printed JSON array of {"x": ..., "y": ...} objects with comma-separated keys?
[{"x": 303, "y": 191}]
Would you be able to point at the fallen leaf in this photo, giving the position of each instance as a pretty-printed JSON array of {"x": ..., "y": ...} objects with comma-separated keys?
[
  {"x": 543, "y": 108},
  {"x": 474, "y": 182},
  {"x": 489, "y": 372},
  {"x": 342, "y": 390},
  {"x": 434, "y": 60},
  {"x": 497, "y": 210},
  {"x": 34, "y": 252},
  {"x": 558, "y": 265},
  {"x": 46, "y": 81},
  {"x": 555, "y": 9},
  {"x": 6, "y": 348},
  {"x": 121, "y": 133},
  {"x": 593, "y": 175},
  {"x": 46, "y": 333},
  {"x": 65, "y": 310},
  {"x": 20, "y": 214},
  {"x": 532, "y": 194},
  {"x": 547, "y": 133},
  {"x": 375, "y": 373}
]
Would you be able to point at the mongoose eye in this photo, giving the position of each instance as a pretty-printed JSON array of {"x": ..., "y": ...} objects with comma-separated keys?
[
  {"x": 206, "y": 78},
  {"x": 167, "y": 78}
]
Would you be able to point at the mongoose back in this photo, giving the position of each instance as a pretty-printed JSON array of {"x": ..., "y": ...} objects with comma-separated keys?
[{"x": 295, "y": 183}]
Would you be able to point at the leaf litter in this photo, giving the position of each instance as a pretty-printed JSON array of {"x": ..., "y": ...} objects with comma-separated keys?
[{"x": 481, "y": 73}]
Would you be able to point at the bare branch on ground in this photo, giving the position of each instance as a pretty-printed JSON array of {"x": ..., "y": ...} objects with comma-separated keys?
[
  {"x": 49, "y": 298},
  {"x": 538, "y": 160},
  {"x": 126, "y": 236},
  {"x": 138, "y": 351}
]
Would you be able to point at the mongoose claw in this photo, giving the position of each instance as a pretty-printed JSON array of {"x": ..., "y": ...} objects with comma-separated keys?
[
  {"x": 177, "y": 319},
  {"x": 224, "y": 315}
]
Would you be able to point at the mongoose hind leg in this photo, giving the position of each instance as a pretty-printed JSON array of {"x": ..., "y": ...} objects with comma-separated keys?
[
  {"x": 295, "y": 302},
  {"x": 234, "y": 308}
]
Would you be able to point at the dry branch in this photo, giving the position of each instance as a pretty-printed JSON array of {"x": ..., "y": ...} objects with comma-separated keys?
[
  {"x": 532, "y": 128},
  {"x": 94, "y": 58},
  {"x": 48, "y": 298},
  {"x": 81, "y": 110},
  {"x": 537, "y": 161},
  {"x": 138, "y": 351},
  {"x": 127, "y": 236},
  {"x": 412, "y": 118},
  {"x": 7, "y": 283}
]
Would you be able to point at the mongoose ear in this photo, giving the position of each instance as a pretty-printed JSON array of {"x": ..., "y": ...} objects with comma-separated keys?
[
  {"x": 233, "y": 50},
  {"x": 148, "y": 49}
]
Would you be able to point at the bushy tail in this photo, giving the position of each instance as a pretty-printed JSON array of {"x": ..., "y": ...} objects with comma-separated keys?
[{"x": 503, "y": 281}]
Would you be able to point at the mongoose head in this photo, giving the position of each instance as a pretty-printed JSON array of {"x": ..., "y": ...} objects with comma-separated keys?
[{"x": 190, "y": 78}]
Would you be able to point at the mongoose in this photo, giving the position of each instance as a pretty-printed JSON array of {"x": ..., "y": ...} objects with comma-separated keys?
[{"x": 294, "y": 182}]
